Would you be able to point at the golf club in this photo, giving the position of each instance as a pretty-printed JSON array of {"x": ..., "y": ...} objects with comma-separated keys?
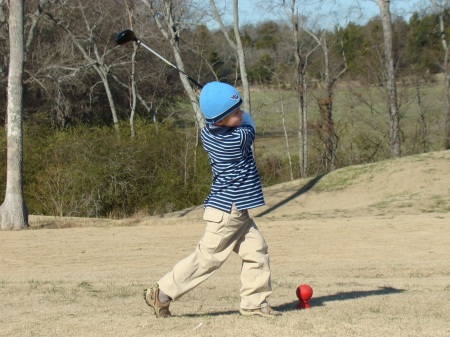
[{"x": 128, "y": 35}]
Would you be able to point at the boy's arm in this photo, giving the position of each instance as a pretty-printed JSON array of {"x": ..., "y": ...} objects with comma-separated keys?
[{"x": 247, "y": 120}]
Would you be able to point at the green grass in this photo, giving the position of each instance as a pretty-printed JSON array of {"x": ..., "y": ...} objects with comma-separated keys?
[
  {"x": 361, "y": 122},
  {"x": 441, "y": 203},
  {"x": 341, "y": 179}
]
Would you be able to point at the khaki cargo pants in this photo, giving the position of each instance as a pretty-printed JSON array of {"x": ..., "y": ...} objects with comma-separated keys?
[{"x": 225, "y": 233}]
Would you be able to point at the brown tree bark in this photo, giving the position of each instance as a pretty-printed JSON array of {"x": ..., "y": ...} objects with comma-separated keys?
[{"x": 326, "y": 103}]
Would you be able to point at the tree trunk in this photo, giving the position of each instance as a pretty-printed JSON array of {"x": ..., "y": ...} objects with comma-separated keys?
[
  {"x": 304, "y": 125},
  {"x": 241, "y": 58},
  {"x": 170, "y": 33},
  {"x": 331, "y": 147},
  {"x": 394, "y": 114},
  {"x": 237, "y": 47},
  {"x": 34, "y": 21},
  {"x": 301, "y": 95},
  {"x": 326, "y": 104},
  {"x": 446, "y": 47},
  {"x": 13, "y": 211},
  {"x": 132, "y": 89},
  {"x": 137, "y": 94},
  {"x": 104, "y": 77},
  {"x": 423, "y": 132},
  {"x": 286, "y": 136}
]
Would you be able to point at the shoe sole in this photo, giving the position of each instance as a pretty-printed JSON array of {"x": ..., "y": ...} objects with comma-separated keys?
[{"x": 256, "y": 313}]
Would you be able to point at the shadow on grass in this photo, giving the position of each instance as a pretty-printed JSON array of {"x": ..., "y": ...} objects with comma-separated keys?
[
  {"x": 314, "y": 301},
  {"x": 341, "y": 296},
  {"x": 189, "y": 210},
  {"x": 310, "y": 184},
  {"x": 213, "y": 314}
]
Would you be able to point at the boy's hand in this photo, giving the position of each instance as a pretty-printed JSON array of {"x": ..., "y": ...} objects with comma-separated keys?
[{"x": 247, "y": 120}]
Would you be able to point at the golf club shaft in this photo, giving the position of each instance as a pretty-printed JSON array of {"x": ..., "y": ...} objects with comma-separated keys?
[{"x": 139, "y": 42}]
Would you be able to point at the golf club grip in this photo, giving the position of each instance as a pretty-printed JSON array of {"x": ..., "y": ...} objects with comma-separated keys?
[{"x": 193, "y": 81}]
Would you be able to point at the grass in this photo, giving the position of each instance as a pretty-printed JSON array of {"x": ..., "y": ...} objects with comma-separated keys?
[
  {"x": 359, "y": 289},
  {"x": 66, "y": 291},
  {"x": 377, "y": 262},
  {"x": 441, "y": 203},
  {"x": 341, "y": 179},
  {"x": 361, "y": 123},
  {"x": 360, "y": 116},
  {"x": 348, "y": 103}
]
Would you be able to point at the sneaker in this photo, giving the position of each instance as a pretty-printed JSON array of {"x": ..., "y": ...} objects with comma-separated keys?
[
  {"x": 151, "y": 298},
  {"x": 264, "y": 312}
]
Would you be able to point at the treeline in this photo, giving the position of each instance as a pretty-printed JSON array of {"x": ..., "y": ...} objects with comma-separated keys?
[
  {"x": 417, "y": 48},
  {"x": 71, "y": 59},
  {"x": 109, "y": 130}
]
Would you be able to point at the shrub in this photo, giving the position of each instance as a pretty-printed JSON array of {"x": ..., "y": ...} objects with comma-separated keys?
[{"x": 96, "y": 172}]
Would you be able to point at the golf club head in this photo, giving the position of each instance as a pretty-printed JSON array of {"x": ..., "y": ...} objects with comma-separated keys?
[{"x": 125, "y": 37}]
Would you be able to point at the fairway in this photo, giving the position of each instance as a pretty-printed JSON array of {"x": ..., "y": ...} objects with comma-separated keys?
[{"x": 372, "y": 241}]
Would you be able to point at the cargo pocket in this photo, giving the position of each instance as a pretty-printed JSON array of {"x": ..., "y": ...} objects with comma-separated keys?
[
  {"x": 214, "y": 229},
  {"x": 213, "y": 215}
]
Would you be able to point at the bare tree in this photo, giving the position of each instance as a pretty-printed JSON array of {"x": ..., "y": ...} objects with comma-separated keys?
[
  {"x": 394, "y": 113},
  {"x": 92, "y": 54},
  {"x": 422, "y": 132},
  {"x": 132, "y": 88},
  {"x": 283, "y": 120},
  {"x": 326, "y": 103},
  {"x": 13, "y": 211},
  {"x": 238, "y": 47},
  {"x": 300, "y": 73},
  {"x": 301, "y": 62},
  {"x": 163, "y": 13}
]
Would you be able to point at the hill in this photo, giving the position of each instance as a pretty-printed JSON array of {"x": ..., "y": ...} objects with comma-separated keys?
[
  {"x": 409, "y": 185},
  {"x": 371, "y": 240}
]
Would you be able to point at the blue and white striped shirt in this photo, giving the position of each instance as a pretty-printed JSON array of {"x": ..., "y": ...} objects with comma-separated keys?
[{"x": 235, "y": 176}]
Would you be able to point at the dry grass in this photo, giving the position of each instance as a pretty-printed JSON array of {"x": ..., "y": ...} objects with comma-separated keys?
[{"x": 371, "y": 240}]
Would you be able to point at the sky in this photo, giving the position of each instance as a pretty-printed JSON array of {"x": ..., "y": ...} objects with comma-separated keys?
[{"x": 325, "y": 15}]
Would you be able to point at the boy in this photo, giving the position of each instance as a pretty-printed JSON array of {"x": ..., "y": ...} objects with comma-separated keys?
[{"x": 227, "y": 138}]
